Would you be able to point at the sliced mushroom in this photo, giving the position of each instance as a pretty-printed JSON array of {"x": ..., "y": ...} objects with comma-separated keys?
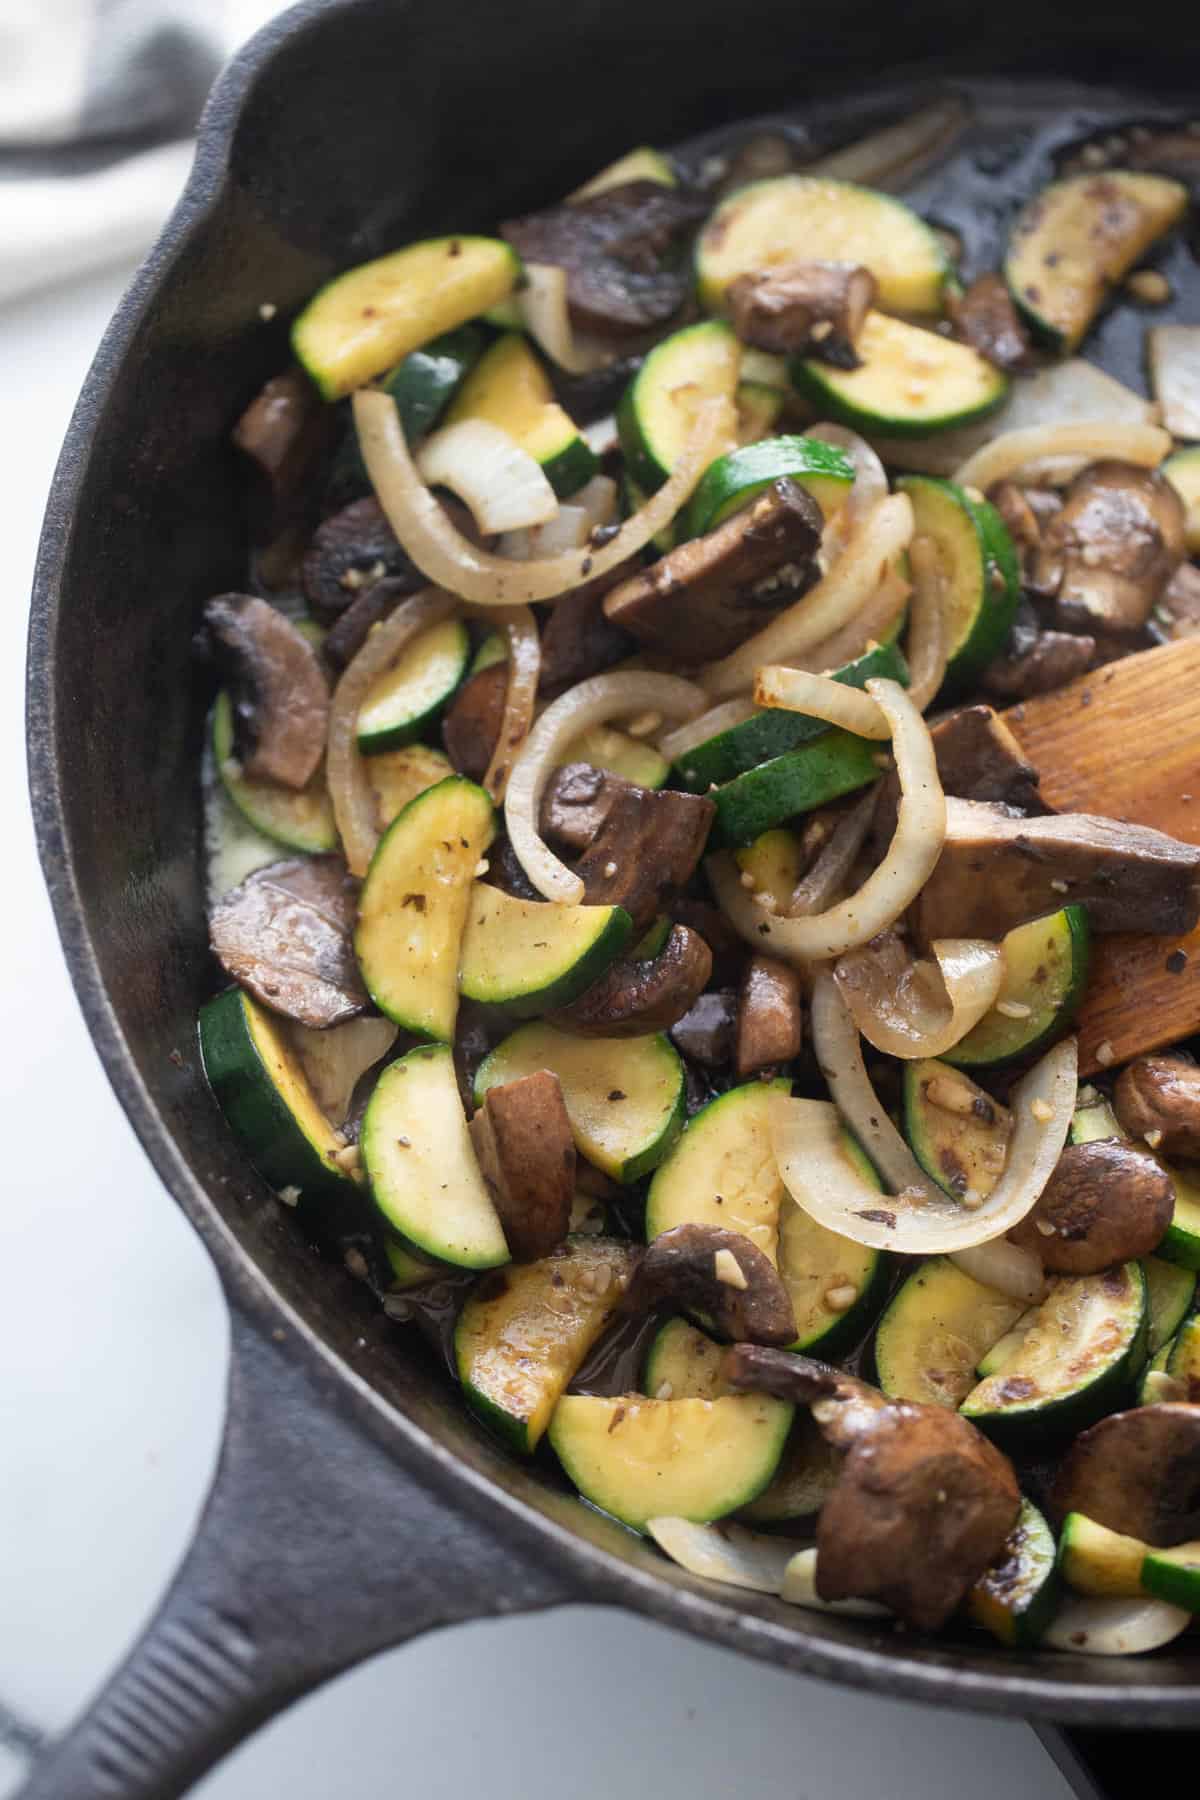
[
  {"x": 1105, "y": 1203},
  {"x": 647, "y": 847},
  {"x": 985, "y": 317},
  {"x": 504, "y": 870},
  {"x": 1012, "y": 503},
  {"x": 351, "y": 551},
  {"x": 1178, "y": 612},
  {"x": 728, "y": 951},
  {"x": 350, "y": 630},
  {"x": 633, "y": 999},
  {"x": 770, "y": 1027},
  {"x": 283, "y": 431},
  {"x": 280, "y": 697},
  {"x": 719, "y": 1273},
  {"x": 593, "y": 395},
  {"x": 336, "y": 1060},
  {"x": 620, "y": 249},
  {"x": 845, "y": 1408},
  {"x": 578, "y": 637},
  {"x": 577, "y": 801},
  {"x": 471, "y": 726},
  {"x": 286, "y": 935},
  {"x": 705, "y": 1032},
  {"x": 978, "y": 758},
  {"x": 766, "y": 154},
  {"x": 997, "y": 871},
  {"x": 526, "y": 1153},
  {"x": 1047, "y": 662},
  {"x": 1137, "y": 1472},
  {"x": 1161, "y": 1094},
  {"x": 804, "y": 308},
  {"x": 702, "y": 599},
  {"x": 1110, "y": 552}
]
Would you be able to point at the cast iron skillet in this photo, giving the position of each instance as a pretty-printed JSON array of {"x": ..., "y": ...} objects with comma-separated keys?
[{"x": 354, "y": 1505}]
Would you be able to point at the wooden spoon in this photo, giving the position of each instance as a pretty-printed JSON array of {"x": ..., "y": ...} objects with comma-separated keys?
[{"x": 1125, "y": 741}]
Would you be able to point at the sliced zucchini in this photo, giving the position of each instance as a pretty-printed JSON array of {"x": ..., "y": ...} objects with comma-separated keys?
[
  {"x": 642, "y": 164},
  {"x": 1094, "y": 1120},
  {"x": 303, "y": 820},
  {"x": 773, "y": 863},
  {"x": 825, "y": 768},
  {"x": 413, "y": 906},
  {"x": 722, "y": 1172},
  {"x": 909, "y": 382},
  {"x": 1174, "y": 1575},
  {"x": 775, "y": 730},
  {"x": 1045, "y": 972},
  {"x": 624, "y": 1096},
  {"x": 759, "y": 409},
  {"x": 525, "y": 1330},
  {"x": 1018, "y": 1596},
  {"x": 836, "y": 1286},
  {"x": 1183, "y": 472},
  {"x": 1183, "y": 1361},
  {"x": 684, "y": 1459},
  {"x": 528, "y": 957},
  {"x": 734, "y": 480},
  {"x": 420, "y": 1166},
  {"x": 633, "y": 499},
  {"x": 1169, "y": 1293},
  {"x": 683, "y": 1363},
  {"x": 1077, "y": 238},
  {"x": 1067, "y": 1361},
  {"x": 422, "y": 386},
  {"x": 649, "y": 945},
  {"x": 607, "y": 748},
  {"x": 806, "y": 218},
  {"x": 492, "y": 650},
  {"x": 1155, "y": 1384},
  {"x": 980, "y": 575},
  {"x": 937, "y": 1327},
  {"x": 364, "y": 321},
  {"x": 402, "y": 702},
  {"x": 1181, "y": 1245},
  {"x": 509, "y": 387},
  {"x": 1094, "y": 1560},
  {"x": 658, "y": 409},
  {"x": 406, "y": 1270},
  {"x": 956, "y": 1131},
  {"x": 398, "y": 776}
]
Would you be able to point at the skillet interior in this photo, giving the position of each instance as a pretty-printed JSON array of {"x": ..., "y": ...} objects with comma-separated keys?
[{"x": 372, "y": 123}]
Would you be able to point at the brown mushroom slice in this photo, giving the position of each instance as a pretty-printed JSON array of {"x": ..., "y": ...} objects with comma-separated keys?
[
  {"x": 766, "y": 154},
  {"x": 997, "y": 871},
  {"x": 1105, "y": 1203},
  {"x": 648, "y": 846},
  {"x": 578, "y": 637},
  {"x": 978, "y": 758},
  {"x": 703, "y": 598},
  {"x": 505, "y": 870},
  {"x": 633, "y": 999},
  {"x": 1137, "y": 1472},
  {"x": 471, "y": 727},
  {"x": 620, "y": 251},
  {"x": 1178, "y": 612},
  {"x": 705, "y": 1032},
  {"x": 770, "y": 1026},
  {"x": 336, "y": 1060},
  {"x": 522, "y": 1140},
  {"x": 845, "y": 1408},
  {"x": 350, "y": 630},
  {"x": 350, "y": 551},
  {"x": 1117, "y": 541},
  {"x": 985, "y": 317},
  {"x": 807, "y": 308},
  {"x": 283, "y": 431},
  {"x": 1051, "y": 660},
  {"x": 1159, "y": 1097},
  {"x": 279, "y": 695},
  {"x": 576, "y": 803},
  {"x": 286, "y": 935},
  {"x": 719, "y": 1274}
]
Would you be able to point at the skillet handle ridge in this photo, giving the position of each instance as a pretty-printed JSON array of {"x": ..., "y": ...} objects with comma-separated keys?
[{"x": 315, "y": 1550}]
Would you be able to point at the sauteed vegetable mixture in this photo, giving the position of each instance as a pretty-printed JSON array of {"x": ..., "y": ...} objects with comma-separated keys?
[{"x": 648, "y": 932}]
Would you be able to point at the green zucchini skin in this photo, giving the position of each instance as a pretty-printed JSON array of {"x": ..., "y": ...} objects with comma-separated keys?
[
  {"x": 736, "y": 478},
  {"x": 1182, "y": 1242},
  {"x": 828, "y": 766},
  {"x": 302, "y": 820},
  {"x": 1174, "y": 1576},
  {"x": 491, "y": 975},
  {"x": 984, "y": 586},
  {"x": 1062, "y": 945},
  {"x": 882, "y": 401},
  {"x": 652, "y": 428},
  {"x": 1170, "y": 1291},
  {"x": 937, "y": 1325},
  {"x": 422, "y": 385},
  {"x": 414, "y": 710},
  {"x": 1018, "y": 1596}
]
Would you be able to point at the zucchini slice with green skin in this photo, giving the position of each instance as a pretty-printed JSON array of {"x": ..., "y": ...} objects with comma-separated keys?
[
  {"x": 1093, "y": 1121},
  {"x": 405, "y": 1269},
  {"x": 1183, "y": 472},
  {"x": 1183, "y": 1360},
  {"x": 1181, "y": 1245},
  {"x": 365, "y": 321},
  {"x": 1018, "y": 1596},
  {"x": 525, "y": 1330},
  {"x": 1169, "y": 1294},
  {"x": 422, "y": 386},
  {"x": 642, "y": 164},
  {"x": 1174, "y": 1575},
  {"x": 1072, "y": 1359},
  {"x": 402, "y": 702},
  {"x": 775, "y": 730},
  {"x": 656, "y": 412},
  {"x": 683, "y": 1459},
  {"x": 773, "y": 863},
  {"x": 835, "y": 1285},
  {"x": 625, "y": 1097},
  {"x": 909, "y": 383},
  {"x": 804, "y": 218},
  {"x": 649, "y": 945},
  {"x": 759, "y": 409},
  {"x": 413, "y": 905},
  {"x": 301, "y": 819},
  {"x": 825, "y": 768},
  {"x": 981, "y": 577},
  {"x": 607, "y": 748},
  {"x": 736, "y": 478},
  {"x": 1094, "y": 1560},
  {"x": 937, "y": 1327},
  {"x": 420, "y": 1167},
  {"x": 683, "y": 1363},
  {"x": 1045, "y": 970},
  {"x": 721, "y": 1171},
  {"x": 1076, "y": 239},
  {"x": 509, "y": 387},
  {"x": 528, "y": 957},
  {"x": 960, "y": 1146},
  {"x": 398, "y": 776}
]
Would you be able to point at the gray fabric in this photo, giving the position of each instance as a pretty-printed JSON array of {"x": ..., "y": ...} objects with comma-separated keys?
[{"x": 150, "y": 65}]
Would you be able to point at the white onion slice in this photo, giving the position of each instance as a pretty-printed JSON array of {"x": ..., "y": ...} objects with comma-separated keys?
[
  {"x": 876, "y": 621},
  {"x": 917, "y": 1007},
  {"x": 501, "y": 483},
  {"x": 601, "y": 436},
  {"x": 520, "y": 696},
  {"x": 1174, "y": 356},
  {"x": 890, "y": 888},
  {"x": 797, "y": 690},
  {"x": 800, "y": 1589},
  {"x": 1093, "y": 1626},
  {"x": 1084, "y": 443},
  {"x": 598, "y": 498},
  {"x": 894, "y": 157},
  {"x": 569, "y": 529},
  {"x": 827, "y": 878},
  {"x": 836, "y": 598},
  {"x": 353, "y": 798},
  {"x": 447, "y": 557},
  {"x": 542, "y": 303},
  {"x": 870, "y": 480},
  {"x": 674, "y": 744},
  {"x": 928, "y": 642},
  {"x": 1006, "y": 1267},
  {"x": 616, "y": 695},
  {"x": 727, "y": 1553}
]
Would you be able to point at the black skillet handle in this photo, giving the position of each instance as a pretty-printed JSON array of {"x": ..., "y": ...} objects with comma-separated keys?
[
  {"x": 315, "y": 1550},
  {"x": 1116, "y": 1765}
]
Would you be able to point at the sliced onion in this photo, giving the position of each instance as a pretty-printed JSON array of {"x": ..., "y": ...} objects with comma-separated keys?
[
  {"x": 1083, "y": 443},
  {"x": 1093, "y": 1626},
  {"x": 543, "y": 307},
  {"x": 890, "y": 888},
  {"x": 617, "y": 695},
  {"x": 894, "y": 157},
  {"x": 1174, "y": 354},
  {"x": 501, "y": 483},
  {"x": 928, "y": 644},
  {"x": 837, "y": 597},
  {"x": 877, "y": 620},
  {"x": 351, "y": 793},
  {"x": 598, "y": 498},
  {"x": 798, "y": 690},
  {"x": 524, "y": 667},
  {"x": 800, "y": 1589},
  {"x": 870, "y": 481},
  {"x": 601, "y": 435},
  {"x": 445, "y": 556},
  {"x": 674, "y": 744},
  {"x": 569, "y": 529},
  {"x": 916, "y": 1007},
  {"x": 827, "y": 878},
  {"x": 1006, "y": 1267},
  {"x": 728, "y": 1553}
]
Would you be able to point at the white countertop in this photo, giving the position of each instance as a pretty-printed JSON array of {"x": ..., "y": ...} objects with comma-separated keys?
[{"x": 113, "y": 1346}]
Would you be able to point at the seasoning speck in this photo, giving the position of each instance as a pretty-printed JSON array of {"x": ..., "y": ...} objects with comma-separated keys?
[
  {"x": 1177, "y": 962},
  {"x": 481, "y": 868},
  {"x": 616, "y": 1093},
  {"x": 1105, "y": 1054},
  {"x": 1013, "y": 1009},
  {"x": 1149, "y": 286},
  {"x": 267, "y": 311},
  {"x": 839, "y": 1299},
  {"x": 664, "y": 1391},
  {"x": 290, "y": 1195},
  {"x": 1153, "y": 1137},
  {"x": 610, "y": 869},
  {"x": 1041, "y": 1111},
  {"x": 728, "y": 1270},
  {"x": 1059, "y": 886}
]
